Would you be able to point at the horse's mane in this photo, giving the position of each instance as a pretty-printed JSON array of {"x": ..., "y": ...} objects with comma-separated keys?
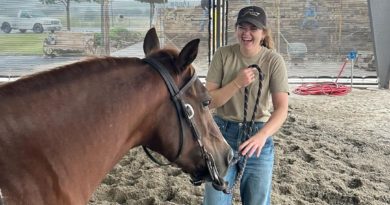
[
  {"x": 64, "y": 74},
  {"x": 71, "y": 72}
]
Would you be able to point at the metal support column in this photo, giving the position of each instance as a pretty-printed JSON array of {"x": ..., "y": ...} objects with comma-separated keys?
[
  {"x": 379, "y": 18},
  {"x": 219, "y": 24}
]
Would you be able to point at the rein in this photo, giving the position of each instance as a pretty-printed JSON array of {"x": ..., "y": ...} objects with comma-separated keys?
[
  {"x": 247, "y": 130},
  {"x": 1, "y": 198},
  {"x": 188, "y": 113}
]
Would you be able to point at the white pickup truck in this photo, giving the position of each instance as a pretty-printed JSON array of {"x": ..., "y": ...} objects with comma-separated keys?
[{"x": 33, "y": 20}]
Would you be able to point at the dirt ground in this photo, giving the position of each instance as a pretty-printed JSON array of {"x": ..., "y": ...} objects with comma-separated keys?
[{"x": 331, "y": 150}]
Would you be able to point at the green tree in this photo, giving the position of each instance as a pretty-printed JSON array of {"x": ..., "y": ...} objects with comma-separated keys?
[
  {"x": 152, "y": 6},
  {"x": 66, "y": 3}
]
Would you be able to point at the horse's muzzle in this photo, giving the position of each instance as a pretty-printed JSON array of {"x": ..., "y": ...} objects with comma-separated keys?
[
  {"x": 218, "y": 182},
  {"x": 219, "y": 185},
  {"x": 197, "y": 182},
  {"x": 213, "y": 175}
]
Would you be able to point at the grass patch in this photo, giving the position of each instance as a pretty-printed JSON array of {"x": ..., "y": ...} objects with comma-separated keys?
[{"x": 22, "y": 43}]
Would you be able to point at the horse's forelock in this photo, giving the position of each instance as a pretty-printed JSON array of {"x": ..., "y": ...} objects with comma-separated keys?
[{"x": 169, "y": 56}]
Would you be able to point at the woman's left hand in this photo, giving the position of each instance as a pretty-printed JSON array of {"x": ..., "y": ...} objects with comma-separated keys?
[{"x": 252, "y": 145}]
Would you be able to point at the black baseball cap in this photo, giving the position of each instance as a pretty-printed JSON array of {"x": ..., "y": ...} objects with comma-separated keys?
[{"x": 253, "y": 15}]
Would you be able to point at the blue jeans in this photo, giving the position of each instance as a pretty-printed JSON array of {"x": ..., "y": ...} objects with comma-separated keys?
[{"x": 256, "y": 182}]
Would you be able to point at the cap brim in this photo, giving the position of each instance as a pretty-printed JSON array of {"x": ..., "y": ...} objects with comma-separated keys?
[{"x": 251, "y": 21}]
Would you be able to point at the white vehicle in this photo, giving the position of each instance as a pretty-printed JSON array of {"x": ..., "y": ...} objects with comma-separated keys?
[{"x": 30, "y": 20}]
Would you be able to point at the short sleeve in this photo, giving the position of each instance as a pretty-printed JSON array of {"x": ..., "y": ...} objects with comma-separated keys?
[
  {"x": 215, "y": 72},
  {"x": 279, "y": 77}
]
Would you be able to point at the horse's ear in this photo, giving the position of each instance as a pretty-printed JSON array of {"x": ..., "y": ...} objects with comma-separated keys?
[
  {"x": 188, "y": 53},
  {"x": 151, "y": 41}
]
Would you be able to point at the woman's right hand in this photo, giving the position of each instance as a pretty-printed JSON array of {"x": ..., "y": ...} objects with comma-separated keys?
[{"x": 245, "y": 77}]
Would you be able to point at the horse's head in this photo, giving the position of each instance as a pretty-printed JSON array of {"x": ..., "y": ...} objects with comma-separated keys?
[{"x": 188, "y": 136}]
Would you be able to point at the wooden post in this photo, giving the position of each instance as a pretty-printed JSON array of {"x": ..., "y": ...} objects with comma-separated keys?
[
  {"x": 340, "y": 23},
  {"x": 106, "y": 27},
  {"x": 278, "y": 23}
]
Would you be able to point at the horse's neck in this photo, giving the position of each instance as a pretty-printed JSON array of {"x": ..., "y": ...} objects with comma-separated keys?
[
  {"x": 74, "y": 134},
  {"x": 110, "y": 120}
]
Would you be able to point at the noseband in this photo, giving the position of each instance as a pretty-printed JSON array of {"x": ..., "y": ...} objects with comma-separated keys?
[{"x": 184, "y": 110}]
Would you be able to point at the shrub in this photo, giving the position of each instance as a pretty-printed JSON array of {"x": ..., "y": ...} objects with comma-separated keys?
[{"x": 119, "y": 35}]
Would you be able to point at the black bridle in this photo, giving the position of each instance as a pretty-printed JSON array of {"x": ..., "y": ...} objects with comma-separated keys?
[{"x": 184, "y": 110}]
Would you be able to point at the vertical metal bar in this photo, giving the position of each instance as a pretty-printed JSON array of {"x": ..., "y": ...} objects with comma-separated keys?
[
  {"x": 352, "y": 60},
  {"x": 278, "y": 23},
  {"x": 379, "y": 15},
  {"x": 222, "y": 22},
  {"x": 214, "y": 35},
  {"x": 226, "y": 22},
  {"x": 209, "y": 52},
  {"x": 218, "y": 26}
]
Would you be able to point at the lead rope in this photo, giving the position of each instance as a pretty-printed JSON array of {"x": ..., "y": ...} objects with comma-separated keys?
[{"x": 247, "y": 130}]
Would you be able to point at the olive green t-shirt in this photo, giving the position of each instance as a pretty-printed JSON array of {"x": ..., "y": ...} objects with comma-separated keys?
[{"x": 225, "y": 65}]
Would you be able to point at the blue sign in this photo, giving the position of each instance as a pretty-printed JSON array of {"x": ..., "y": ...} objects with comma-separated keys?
[{"x": 352, "y": 55}]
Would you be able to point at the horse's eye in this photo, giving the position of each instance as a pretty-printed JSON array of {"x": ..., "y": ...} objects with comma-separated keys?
[{"x": 206, "y": 103}]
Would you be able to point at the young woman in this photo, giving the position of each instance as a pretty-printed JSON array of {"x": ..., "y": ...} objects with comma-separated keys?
[{"x": 226, "y": 80}]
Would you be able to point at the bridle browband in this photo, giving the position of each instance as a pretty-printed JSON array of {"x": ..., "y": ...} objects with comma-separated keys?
[{"x": 188, "y": 113}]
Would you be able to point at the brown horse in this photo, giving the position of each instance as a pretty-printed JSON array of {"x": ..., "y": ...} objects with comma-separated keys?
[{"x": 62, "y": 131}]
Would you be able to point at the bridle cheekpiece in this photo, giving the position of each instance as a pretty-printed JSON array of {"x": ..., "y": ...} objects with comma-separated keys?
[{"x": 187, "y": 110}]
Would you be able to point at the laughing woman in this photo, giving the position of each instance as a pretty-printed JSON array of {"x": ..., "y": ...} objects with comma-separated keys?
[{"x": 226, "y": 80}]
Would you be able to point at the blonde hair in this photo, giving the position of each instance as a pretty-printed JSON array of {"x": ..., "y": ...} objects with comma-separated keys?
[{"x": 268, "y": 40}]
